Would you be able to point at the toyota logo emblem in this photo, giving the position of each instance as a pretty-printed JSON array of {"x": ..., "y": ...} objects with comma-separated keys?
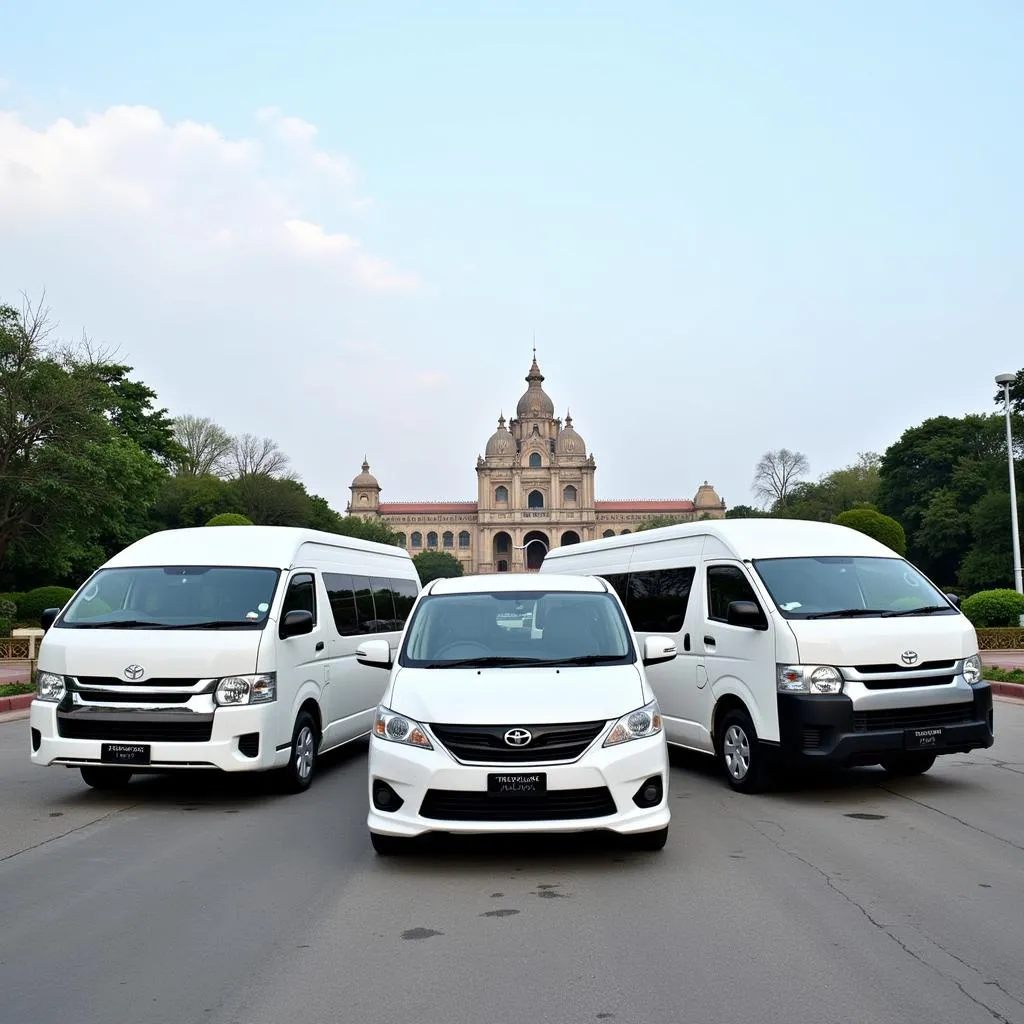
[
  {"x": 134, "y": 672},
  {"x": 518, "y": 737},
  {"x": 909, "y": 657}
]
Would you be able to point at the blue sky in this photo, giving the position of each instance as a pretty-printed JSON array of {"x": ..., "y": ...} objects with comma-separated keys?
[{"x": 730, "y": 226}]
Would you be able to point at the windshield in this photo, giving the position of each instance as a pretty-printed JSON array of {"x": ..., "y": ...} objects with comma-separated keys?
[
  {"x": 834, "y": 587},
  {"x": 173, "y": 597},
  {"x": 516, "y": 629}
]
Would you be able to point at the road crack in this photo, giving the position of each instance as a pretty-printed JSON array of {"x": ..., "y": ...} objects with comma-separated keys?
[{"x": 70, "y": 832}]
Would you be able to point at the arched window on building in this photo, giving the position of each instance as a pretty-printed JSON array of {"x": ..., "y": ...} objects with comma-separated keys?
[
  {"x": 608, "y": 533},
  {"x": 569, "y": 494},
  {"x": 502, "y": 565},
  {"x": 535, "y": 460},
  {"x": 570, "y": 537},
  {"x": 464, "y": 539},
  {"x": 417, "y": 539},
  {"x": 501, "y": 493},
  {"x": 624, "y": 532},
  {"x": 535, "y": 500},
  {"x": 431, "y": 539},
  {"x": 401, "y": 539},
  {"x": 448, "y": 540}
]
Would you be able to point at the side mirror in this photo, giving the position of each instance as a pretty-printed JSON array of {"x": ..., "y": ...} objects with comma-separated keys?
[
  {"x": 953, "y": 600},
  {"x": 48, "y": 618},
  {"x": 747, "y": 614},
  {"x": 297, "y": 622},
  {"x": 658, "y": 649},
  {"x": 375, "y": 653}
]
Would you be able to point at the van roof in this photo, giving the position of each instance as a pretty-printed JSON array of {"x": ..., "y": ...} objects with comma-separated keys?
[
  {"x": 748, "y": 538},
  {"x": 524, "y": 581},
  {"x": 274, "y": 547}
]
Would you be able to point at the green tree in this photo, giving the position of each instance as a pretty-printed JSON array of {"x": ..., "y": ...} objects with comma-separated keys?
[
  {"x": 184, "y": 501},
  {"x": 746, "y": 512},
  {"x": 853, "y": 486},
  {"x": 882, "y": 528},
  {"x": 229, "y": 519},
  {"x": 434, "y": 565},
  {"x": 655, "y": 522},
  {"x": 368, "y": 529}
]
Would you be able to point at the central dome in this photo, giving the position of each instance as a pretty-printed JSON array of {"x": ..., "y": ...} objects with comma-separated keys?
[{"x": 535, "y": 404}]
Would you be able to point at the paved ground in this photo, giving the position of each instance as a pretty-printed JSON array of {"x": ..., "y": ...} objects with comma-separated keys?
[
  {"x": 207, "y": 900},
  {"x": 1003, "y": 659}
]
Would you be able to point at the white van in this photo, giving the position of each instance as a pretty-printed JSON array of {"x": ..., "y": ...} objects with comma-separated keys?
[
  {"x": 798, "y": 641},
  {"x": 229, "y": 647}
]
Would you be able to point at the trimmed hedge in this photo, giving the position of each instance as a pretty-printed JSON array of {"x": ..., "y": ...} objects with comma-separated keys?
[
  {"x": 6, "y": 625},
  {"x": 230, "y": 519},
  {"x": 884, "y": 529},
  {"x": 35, "y": 602},
  {"x": 993, "y": 609}
]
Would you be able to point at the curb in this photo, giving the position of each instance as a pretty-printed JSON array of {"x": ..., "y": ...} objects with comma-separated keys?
[
  {"x": 19, "y": 703},
  {"x": 1015, "y": 690}
]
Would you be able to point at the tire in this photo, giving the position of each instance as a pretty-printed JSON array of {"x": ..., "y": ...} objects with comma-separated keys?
[
  {"x": 648, "y": 842},
  {"x": 740, "y": 754},
  {"x": 908, "y": 764},
  {"x": 105, "y": 778},
  {"x": 302, "y": 762},
  {"x": 388, "y": 846}
]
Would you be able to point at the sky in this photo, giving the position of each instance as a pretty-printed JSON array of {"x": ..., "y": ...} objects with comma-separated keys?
[{"x": 729, "y": 227}]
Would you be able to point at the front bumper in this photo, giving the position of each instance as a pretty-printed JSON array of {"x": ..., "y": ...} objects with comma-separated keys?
[
  {"x": 234, "y": 734},
  {"x": 832, "y": 730},
  {"x": 595, "y": 792}
]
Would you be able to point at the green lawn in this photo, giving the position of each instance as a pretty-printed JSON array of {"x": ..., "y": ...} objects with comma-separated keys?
[
  {"x": 1002, "y": 675},
  {"x": 15, "y": 689}
]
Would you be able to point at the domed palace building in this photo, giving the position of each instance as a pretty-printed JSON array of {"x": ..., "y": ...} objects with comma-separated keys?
[{"x": 535, "y": 491}]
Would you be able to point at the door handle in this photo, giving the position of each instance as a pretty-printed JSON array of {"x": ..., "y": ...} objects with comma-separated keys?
[
  {"x": 320, "y": 645},
  {"x": 709, "y": 641},
  {"x": 686, "y": 641}
]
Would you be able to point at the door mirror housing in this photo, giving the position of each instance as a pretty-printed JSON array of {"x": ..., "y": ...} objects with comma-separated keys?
[
  {"x": 297, "y": 622},
  {"x": 658, "y": 650},
  {"x": 374, "y": 653},
  {"x": 953, "y": 599},
  {"x": 48, "y": 618},
  {"x": 747, "y": 614}
]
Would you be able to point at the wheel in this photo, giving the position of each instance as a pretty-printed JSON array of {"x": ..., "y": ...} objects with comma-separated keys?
[
  {"x": 648, "y": 841},
  {"x": 908, "y": 764},
  {"x": 105, "y": 778},
  {"x": 740, "y": 753},
  {"x": 298, "y": 775},
  {"x": 388, "y": 846}
]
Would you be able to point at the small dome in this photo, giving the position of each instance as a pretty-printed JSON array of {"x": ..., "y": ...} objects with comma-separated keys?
[
  {"x": 365, "y": 479},
  {"x": 535, "y": 403},
  {"x": 569, "y": 442},
  {"x": 707, "y": 497},
  {"x": 500, "y": 442}
]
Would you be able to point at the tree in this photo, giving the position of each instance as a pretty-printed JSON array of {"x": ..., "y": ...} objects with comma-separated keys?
[
  {"x": 776, "y": 473},
  {"x": 882, "y": 528},
  {"x": 256, "y": 456},
  {"x": 655, "y": 522},
  {"x": 229, "y": 519},
  {"x": 853, "y": 486},
  {"x": 184, "y": 501},
  {"x": 204, "y": 447},
  {"x": 435, "y": 565},
  {"x": 367, "y": 529},
  {"x": 746, "y": 512}
]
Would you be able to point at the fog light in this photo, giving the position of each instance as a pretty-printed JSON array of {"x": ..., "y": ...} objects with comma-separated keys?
[
  {"x": 385, "y": 798},
  {"x": 650, "y": 794}
]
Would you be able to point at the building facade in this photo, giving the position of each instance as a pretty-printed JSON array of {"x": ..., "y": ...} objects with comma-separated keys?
[{"x": 535, "y": 491}]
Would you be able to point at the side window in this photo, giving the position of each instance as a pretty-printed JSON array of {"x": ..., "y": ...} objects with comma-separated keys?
[
  {"x": 300, "y": 595},
  {"x": 341, "y": 594},
  {"x": 617, "y": 581},
  {"x": 365, "y": 611},
  {"x": 727, "y": 583},
  {"x": 384, "y": 604},
  {"x": 657, "y": 599},
  {"x": 404, "y": 592}
]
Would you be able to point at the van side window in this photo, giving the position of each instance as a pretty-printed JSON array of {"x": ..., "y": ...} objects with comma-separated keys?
[
  {"x": 384, "y": 604},
  {"x": 365, "y": 610},
  {"x": 300, "y": 596},
  {"x": 618, "y": 581},
  {"x": 657, "y": 599},
  {"x": 341, "y": 593},
  {"x": 405, "y": 592},
  {"x": 727, "y": 583},
  {"x": 363, "y": 605}
]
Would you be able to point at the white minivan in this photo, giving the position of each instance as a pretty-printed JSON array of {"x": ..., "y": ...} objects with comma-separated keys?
[
  {"x": 798, "y": 641},
  {"x": 490, "y": 727},
  {"x": 229, "y": 647}
]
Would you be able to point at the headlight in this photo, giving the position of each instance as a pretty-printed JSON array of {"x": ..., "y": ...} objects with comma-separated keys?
[
  {"x": 972, "y": 669},
  {"x": 234, "y": 690},
  {"x": 399, "y": 729},
  {"x": 821, "y": 679},
  {"x": 50, "y": 687},
  {"x": 645, "y": 721}
]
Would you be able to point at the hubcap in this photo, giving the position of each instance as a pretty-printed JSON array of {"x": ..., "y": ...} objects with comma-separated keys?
[
  {"x": 736, "y": 749},
  {"x": 304, "y": 752}
]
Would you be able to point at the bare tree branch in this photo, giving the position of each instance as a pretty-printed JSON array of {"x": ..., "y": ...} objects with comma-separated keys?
[
  {"x": 208, "y": 447},
  {"x": 777, "y": 473},
  {"x": 258, "y": 456}
]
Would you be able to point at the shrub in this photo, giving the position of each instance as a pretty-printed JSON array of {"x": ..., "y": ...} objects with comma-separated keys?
[
  {"x": 993, "y": 608},
  {"x": 35, "y": 602},
  {"x": 230, "y": 519},
  {"x": 15, "y": 599},
  {"x": 8, "y": 609},
  {"x": 882, "y": 528},
  {"x": 6, "y": 625}
]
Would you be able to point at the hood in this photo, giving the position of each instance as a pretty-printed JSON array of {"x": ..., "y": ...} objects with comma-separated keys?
[
  {"x": 497, "y": 696},
  {"x": 178, "y": 654},
  {"x": 878, "y": 641}
]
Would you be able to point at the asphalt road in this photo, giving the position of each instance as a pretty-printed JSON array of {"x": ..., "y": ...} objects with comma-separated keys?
[{"x": 204, "y": 899}]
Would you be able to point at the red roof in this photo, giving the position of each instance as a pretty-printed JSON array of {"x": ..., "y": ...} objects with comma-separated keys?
[
  {"x": 410, "y": 508},
  {"x": 644, "y": 505}
]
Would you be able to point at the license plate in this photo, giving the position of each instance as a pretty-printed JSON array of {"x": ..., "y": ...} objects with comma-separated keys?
[
  {"x": 124, "y": 753},
  {"x": 529, "y": 784},
  {"x": 923, "y": 739}
]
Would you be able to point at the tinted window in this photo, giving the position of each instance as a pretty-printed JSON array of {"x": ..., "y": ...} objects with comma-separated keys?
[
  {"x": 341, "y": 593},
  {"x": 619, "y": 583},
  {"x": 656, "y": 601},
  {"x": 300, "y": 595},
  {"x": 404, "y": 592},
  {"x": 384, "y": 604},
  {"x": 727, "y": 583},
  {"x": 365, "y": 610}
]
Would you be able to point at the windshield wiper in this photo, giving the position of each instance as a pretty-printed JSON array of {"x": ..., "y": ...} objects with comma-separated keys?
[
  {"x": 212, "y": 624},
  {"x": 586, "y": 659},
  {"x": 491, "y": 661},
  {"x": 845, "y": 613},
  {"x": 117, "y": 624},
  {"x": 925, "y": 609}
]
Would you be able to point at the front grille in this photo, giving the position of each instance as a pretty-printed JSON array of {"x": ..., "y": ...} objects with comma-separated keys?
[
  {"x": 564, "y": 742},
  {"x": 554, "y": 805},
  {"x": 903, "y": 683},
  {"x": 913, "y": 718},
  {"x": 148, "y": 697},
  {"x": 155, "y": 683},
  {"x": 193, "y": 729},
  {"x": 925, "y": 666}
]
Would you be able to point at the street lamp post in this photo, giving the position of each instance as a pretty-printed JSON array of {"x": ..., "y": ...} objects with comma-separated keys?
[
  {"x": 1004, "y": 380},
  {"x": 533, "y": 540}
]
